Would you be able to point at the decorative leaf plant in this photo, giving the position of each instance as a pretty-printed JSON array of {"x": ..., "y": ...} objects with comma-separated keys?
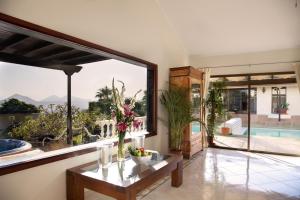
[
  {"x": 179, "y": 108},
  {"x": 215, "y": 107}
]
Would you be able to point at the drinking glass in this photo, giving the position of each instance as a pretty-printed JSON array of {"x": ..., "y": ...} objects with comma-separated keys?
[
  {"x": 105, "y": 154},
  {"x": 138, "y": 141}
]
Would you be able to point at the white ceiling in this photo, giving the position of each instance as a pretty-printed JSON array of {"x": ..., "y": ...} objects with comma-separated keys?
[{"x": 224, "y": 27}]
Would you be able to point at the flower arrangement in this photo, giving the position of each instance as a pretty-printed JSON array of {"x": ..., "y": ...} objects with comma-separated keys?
[{"x": 122, "y": 113}]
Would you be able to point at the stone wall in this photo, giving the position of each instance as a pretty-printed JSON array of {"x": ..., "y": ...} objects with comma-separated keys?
[{"x": 265, "y": 121}]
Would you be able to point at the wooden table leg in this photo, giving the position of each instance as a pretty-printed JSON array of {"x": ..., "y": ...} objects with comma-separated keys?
[
  {"x": 177, "y": 175},
  {"x": 128, "y": 196},
  {"x": 75, "y": 190}
]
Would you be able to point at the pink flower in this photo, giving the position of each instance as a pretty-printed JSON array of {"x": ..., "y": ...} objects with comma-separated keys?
[
  {"x": 122, "y": 126},
  {"x": 127, "y": 111},
  {"x": 137, "y": 124}
]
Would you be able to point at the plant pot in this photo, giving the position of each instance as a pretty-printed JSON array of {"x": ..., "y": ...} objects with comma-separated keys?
[
  {"x": 225, "y": 131},
  {"x": 210, "y": 140},
  {"x": 175, "y": 151},
  {"x": 283, "y": 110}
]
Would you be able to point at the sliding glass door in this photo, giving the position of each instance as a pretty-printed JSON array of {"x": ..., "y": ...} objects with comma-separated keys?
[
  {"x": 262, "y": 113},
  {"x": 276, "y": 125},
  {"x": 232, "y": 127}
]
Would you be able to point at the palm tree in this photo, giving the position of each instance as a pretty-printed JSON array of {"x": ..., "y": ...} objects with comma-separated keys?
[
  {"x": 104, "y": 102},
  {"x": 104, "y": 93}
]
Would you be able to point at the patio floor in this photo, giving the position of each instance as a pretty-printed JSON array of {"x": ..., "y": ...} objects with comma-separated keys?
[
  {"x": 261, "y": 143},
  {"x": 218, "y": 174}
]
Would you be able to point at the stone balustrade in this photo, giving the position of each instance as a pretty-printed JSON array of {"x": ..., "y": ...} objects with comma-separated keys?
[{"x": 108, "y": 127}]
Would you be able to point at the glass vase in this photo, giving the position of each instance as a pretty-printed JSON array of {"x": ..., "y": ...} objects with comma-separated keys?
[{"x": 121, "y": 149}]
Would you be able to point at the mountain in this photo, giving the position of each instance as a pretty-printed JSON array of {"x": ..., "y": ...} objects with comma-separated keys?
[
  {"x": 25, "y": 99},
  {"x": 78, "y": 102},
  {"x": 53, "y": 99}
]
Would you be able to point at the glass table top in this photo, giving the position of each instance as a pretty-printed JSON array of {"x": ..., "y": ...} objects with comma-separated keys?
[{"x": 127, "y": 172}]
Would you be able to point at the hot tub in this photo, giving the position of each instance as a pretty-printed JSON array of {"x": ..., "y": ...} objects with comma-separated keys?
[{"x": 13, "y": 146}]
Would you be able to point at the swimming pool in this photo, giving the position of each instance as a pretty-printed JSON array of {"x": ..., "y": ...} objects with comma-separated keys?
[
  {"x": 288, "y": 133},
  {"x": 196, "y": 127}
]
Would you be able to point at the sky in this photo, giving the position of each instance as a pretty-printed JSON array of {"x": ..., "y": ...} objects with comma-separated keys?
[{"x": 39, "y": 83}]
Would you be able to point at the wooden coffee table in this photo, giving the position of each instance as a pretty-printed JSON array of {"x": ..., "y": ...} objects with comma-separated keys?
[{"x": 122, "y": 180}]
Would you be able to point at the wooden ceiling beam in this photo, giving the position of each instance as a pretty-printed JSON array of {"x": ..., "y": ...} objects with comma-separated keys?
[
  {"x": 38, "y": 44},
  {"x": 10, "y": 58},
  {"x": 47, "y": 51},
  {"x": 15, "y": 38},
  {"x": 65, "y": 55},
  {"x": 84, "y": 59}
]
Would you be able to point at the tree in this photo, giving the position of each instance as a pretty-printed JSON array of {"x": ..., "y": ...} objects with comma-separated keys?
[
  {"x": 13, "y": 106},
  {"x": 141, "y": 106},
  {"x": 104, "y": 103},
  {"x": 104, "y": 94},
  {"x": 215, "y": 107}
]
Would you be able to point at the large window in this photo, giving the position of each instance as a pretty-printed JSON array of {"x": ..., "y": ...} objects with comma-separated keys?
[
  {"x": 236, "y": 100},
  {"x": 56, "y": 94},
  {"x": 33, "y": 107},
  {"x": 278, "y": 99}
]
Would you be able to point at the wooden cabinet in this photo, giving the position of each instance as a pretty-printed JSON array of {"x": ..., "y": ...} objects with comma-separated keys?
[{"x": 192, "y": 79}]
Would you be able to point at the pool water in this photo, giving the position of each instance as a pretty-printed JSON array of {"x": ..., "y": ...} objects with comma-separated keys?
[
  {"x": 289, "y": 133},
  {"x": 196, "y": 127}
]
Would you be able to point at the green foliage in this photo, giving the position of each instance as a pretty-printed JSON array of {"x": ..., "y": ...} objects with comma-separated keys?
[
  {"x": 104, "y": 103},
  {"x": 52, "y": 121},
  {"x": 214, "y": 104},
  {"x": 179, "y": 108},
  {"x": 140, "y": 107},
  {"x": 13, "y": 106},
  {"x": 28, "y": 129},
  {"x": 285, "y": 105}
]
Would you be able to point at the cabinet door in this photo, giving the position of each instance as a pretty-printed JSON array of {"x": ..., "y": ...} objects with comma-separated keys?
[{"x": 196, "y": 105}]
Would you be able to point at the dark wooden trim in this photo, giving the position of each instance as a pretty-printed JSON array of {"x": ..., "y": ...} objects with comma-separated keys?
[
  {"x": 262, "y": 82},
  {"x": 252, "y": 74},
  {"x": 33, "y": 27}
]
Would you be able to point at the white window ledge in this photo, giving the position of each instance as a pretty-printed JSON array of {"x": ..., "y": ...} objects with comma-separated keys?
[
  {"x": 38, "y": 154},
  {"x": 282, "y": 116}
]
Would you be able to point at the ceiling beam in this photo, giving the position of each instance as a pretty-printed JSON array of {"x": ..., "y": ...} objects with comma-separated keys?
[
  {"x": 38, "y": 44},
  {"x": 12, "y": 40},
  {"x": 84, "y": 59}
]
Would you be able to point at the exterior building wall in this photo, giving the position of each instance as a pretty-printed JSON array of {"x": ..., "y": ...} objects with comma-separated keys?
[
  {"x": 264, "y": 116},
  {"x": 293, "y": 98},
  {"x": 264, "y": 100}
]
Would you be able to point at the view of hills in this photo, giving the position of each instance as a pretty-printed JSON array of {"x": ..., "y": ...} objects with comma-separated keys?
[{"x": 53, "y": 99}]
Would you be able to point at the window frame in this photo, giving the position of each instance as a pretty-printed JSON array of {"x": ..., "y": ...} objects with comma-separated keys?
[
  {"x": 151, "y": 84},
  {"x": 280, "y": 96}
]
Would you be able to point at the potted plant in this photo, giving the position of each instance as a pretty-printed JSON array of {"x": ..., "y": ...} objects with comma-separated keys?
[
  {"x": 225, "y": 130},
  {"x": 179, "y": 108},
  {"x": 284, "y": 108},
  {"x": 215, "y": 108}
]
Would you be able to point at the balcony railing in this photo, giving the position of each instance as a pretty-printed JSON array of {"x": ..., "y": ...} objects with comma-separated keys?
[{"x": 108, "y": 127}]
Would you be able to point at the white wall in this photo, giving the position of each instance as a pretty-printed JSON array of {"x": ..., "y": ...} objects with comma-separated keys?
[
  {"x": 264, "y": 100},
  {"x": 293, "y": 98},
  {"x": 131, "y": 26}
]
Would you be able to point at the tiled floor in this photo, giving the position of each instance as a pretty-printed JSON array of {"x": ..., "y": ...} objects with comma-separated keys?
[{"x": 232, "y": 175}]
